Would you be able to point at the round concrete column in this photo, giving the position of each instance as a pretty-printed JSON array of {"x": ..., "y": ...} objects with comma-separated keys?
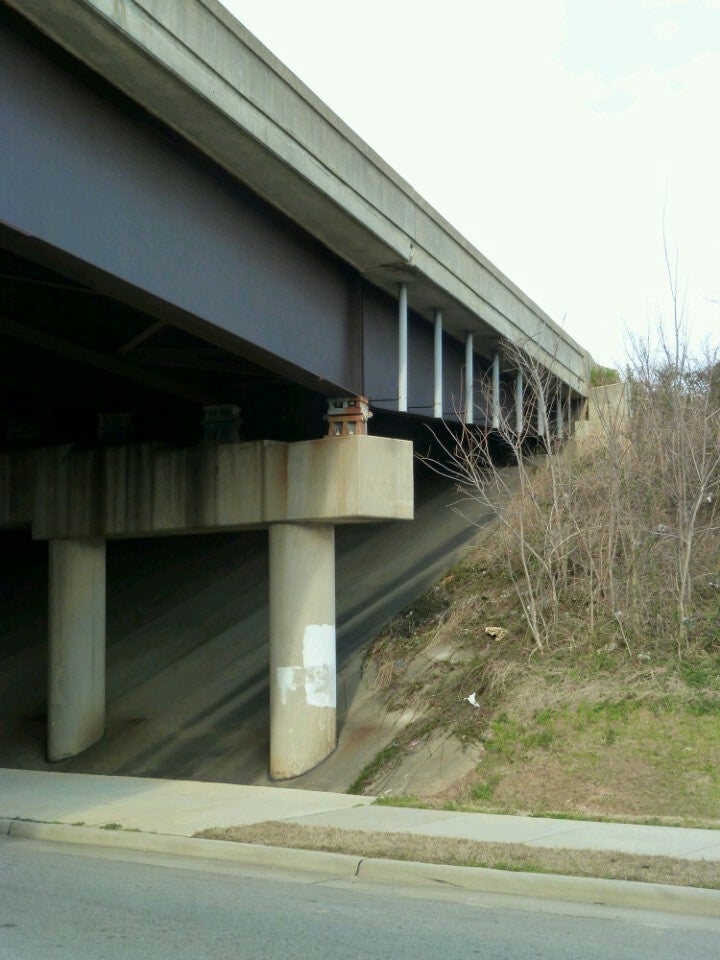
[
  {"x": 302, "y": 647},
  {"x": 76, "y": 666}
]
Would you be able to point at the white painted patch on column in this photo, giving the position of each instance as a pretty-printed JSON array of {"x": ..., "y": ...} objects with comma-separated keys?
[
  {"x": 288, "y": 680},
  {"x": 319, "y": 663}
]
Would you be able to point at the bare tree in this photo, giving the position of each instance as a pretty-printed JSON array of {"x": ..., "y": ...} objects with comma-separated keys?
[{"x": 611, "y": 537}]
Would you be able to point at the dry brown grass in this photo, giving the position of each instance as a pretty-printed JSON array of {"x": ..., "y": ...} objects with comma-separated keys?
[
  {"x": 599, "y": 693},
  {"x": 589, "y": 729},
  {"x": 618, "y": 537},
  {"x": 550, "y": 685},
  {"x": 473, "y": 853}
]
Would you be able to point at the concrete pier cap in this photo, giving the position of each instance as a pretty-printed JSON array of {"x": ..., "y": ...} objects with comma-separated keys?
[
  {"x": 81, "y": 498},
  {"x": 146, "y": 490}
]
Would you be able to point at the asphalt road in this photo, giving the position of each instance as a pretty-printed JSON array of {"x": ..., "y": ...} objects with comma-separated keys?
[{"x": 57, "y": 902}]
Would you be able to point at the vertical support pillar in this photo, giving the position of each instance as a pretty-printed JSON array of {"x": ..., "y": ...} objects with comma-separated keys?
[
  {"x": 76, "y": 663},
  {"x": 469, "y": 378},
  {"x": 574, "y": 409},
  {"x": 302, "y": 647},
  {"x": 438, "y": 366},
  {"x": 559, "y": 414},
  {"x": 541, "y": 414},
  {"x": 496, "y": 391},
  {"x": 519, "y": 418},
  {"x": 402, "y": 349}
]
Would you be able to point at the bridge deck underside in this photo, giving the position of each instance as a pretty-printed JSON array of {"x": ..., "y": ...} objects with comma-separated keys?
[
  {"x": 140, "y": 280},
  {"x": 136, "y": 229}
]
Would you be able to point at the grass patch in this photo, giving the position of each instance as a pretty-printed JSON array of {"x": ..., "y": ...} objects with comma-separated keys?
[
  {"x": 406, "y": 800},
  {"x": 588, "y": 730},
  {"x": 603, "y": 376},
  {"x": 617, "y": 760},
  {"x": 379, "y": 762},
  {"x": 484, "y": 790},
  {"x": 118, "y": 826},
  {"x": 471, "y": 853},
  {"x": 475, "y": 804}
]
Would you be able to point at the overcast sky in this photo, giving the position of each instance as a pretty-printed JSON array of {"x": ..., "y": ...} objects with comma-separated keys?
[{"x": 551, "y": 133}]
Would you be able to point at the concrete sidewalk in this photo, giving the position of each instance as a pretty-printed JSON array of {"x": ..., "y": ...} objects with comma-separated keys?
[{"x": 182, "y": 808}]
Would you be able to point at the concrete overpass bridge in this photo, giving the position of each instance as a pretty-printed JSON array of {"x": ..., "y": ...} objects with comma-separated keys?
[{"x": 203, "y": 271}]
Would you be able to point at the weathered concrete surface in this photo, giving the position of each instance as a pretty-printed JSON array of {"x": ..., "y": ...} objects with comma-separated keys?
[
  {"x": 178, "y": 807},
  {"x": 142, "y": 490},
  {"x": 430, "y": 768},
  {"x": 303, "y": 671},
  {"x": 145, "y": 490},
  {"x": 188, "y": 649},
  {"x": 605, "y": 414},
  {"x": 17, "y": 472},
  {"x": 194, "y": 66},
  {"x": 76, "y": 668}
]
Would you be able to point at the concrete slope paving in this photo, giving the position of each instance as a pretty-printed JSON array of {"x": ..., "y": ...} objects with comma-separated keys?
[{"x": 187, "y": 642}]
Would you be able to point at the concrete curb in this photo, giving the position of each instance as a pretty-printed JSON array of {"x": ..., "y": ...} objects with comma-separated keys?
[
  {"x": 337, "y": 864},
  {"x": 626, "y": 894}
]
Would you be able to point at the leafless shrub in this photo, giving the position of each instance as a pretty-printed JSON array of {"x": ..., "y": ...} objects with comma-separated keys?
[{"x": 616, "y": 540}]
